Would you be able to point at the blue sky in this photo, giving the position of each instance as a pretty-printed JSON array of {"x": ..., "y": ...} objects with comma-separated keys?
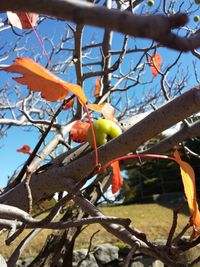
[{"x": 10, "y": 159}]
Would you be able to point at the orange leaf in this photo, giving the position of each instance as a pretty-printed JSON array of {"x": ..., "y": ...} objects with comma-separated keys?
[
  {"x": 97, "y": 88},
  {"x": 25, "y": 149},
  {"x": 106, "y": 109},
  {"x": 79, "y": 131},
  {"x": 155, "y": 63},
  {"x": 41, "y": 80},
  {"x": 116, "y": 178},
  {"x": 189, "y": 183},
  {"x": 23, "y": 20},
  {"x": 68, "y": 104}
]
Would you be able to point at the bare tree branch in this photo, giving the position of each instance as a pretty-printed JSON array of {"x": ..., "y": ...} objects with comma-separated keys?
[
  {"x": 168, "y": 115},
  {"x": 125, "y": 22},
  {"x": 23, "y": 244}
]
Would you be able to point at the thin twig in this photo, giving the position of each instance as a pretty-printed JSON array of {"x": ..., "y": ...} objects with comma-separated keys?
[
  {"x": 190, "y": 245},
  {"x": 30, "y": 222},
  {"x": 103, "y": 195},
  {"x": 37, "y": 147},
  {"x": 89, "y": 248},
  {"x": 12, "y": 231},
  {"x": 77, "y": 223},
  {"x": 194, "y": 262},
  {"x": 14, "y": 235},
  {"x": 23, "y": 244},
  {"x": 173, "y": 227},
  {"x": 28, "y": 189},
  {"x": 130, "y": 254},
  {"x": 178, "y": 237}
]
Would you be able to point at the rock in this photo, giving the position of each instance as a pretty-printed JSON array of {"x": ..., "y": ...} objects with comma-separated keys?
[
  {"x": 2, "y": 261},
  {"x": 106, "y": 253},
  {"x": 148, "y": 263},
  {"x": 123, "y": 251},
  {"x": 86, "y": 260},
  {"x": 79, "y": 255},
  {"x": 158, "y": 263},
  {"x": 114, "y": 263},
  {"x": 137, "y": 264},
  {"x": 24, "y": 262}
]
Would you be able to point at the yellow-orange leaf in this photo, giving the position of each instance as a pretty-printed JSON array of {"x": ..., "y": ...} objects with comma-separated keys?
[
  {"x": 155, "y": 63},
  {"x": 189, "y": 183},
  {"x": 95, "y": 107},
  {"x": 106, "y": 109},
  {"x": 97, "y": 88},
  {"x": 41, "y": 80},
  {"x": 116, "y": 178}
]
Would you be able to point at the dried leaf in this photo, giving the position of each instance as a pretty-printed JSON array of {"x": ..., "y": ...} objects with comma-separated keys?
[
  {"x": 106, "y": 109},
  {"x": 189, "y": 183},
  {"x": 116, "y": 178},
  {"x": 41, "y": 80},
  {"x": 25, "y": 149},
  {"x": 108, "y": 112},
  {"x": 79, "y": 131},
  {"x": 23, "y": 20},
  {"x": 97, "y": 88},
  {"x": 155, "y": 63}
]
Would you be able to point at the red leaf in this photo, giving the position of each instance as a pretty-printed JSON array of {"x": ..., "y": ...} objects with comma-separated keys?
[
  {"x": 79, "y": 131},
  {"x": 25, "y": 149},
  {"x": 155, "y": 62},
  {"x": 23, "y": 20},
  {"x": 116, "y": 178}
]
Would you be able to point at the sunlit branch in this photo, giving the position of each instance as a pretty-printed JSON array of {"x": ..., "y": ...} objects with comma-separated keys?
[{"x": 125, "y": 22}]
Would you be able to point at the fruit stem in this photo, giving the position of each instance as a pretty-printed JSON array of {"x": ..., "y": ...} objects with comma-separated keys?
[
  {"x": 93, "y": 136},
  {"x": 38, "y": 38},
  {"x": 135, "y": 156}
]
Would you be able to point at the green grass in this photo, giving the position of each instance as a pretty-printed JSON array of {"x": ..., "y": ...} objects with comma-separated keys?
[{"x": 153, "y": 219}]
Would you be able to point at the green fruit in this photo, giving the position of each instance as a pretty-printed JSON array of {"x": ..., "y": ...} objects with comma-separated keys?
[
  {"x": 104, "y": 130},
  {"x": 150, "y": 3},
  {"x": 196, "y": 18},
  {"x": 197, "y": 2}
]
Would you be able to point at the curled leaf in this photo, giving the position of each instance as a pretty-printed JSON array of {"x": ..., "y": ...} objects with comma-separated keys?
[
  {"x": 97, "y": 88},
  {"x": 189, "y": 183},
  {"x": 106, "y": 109},
  {"x": 79, "y": 131},
  {"x": 108, "y": 112},
  {"x": 155, "y": 62},
  {"x": 39, "y": 79},
  {"x": 23, "y": 20},
  {"x": 116, "y": 178},
  {"x": 25, "y": 149}
]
